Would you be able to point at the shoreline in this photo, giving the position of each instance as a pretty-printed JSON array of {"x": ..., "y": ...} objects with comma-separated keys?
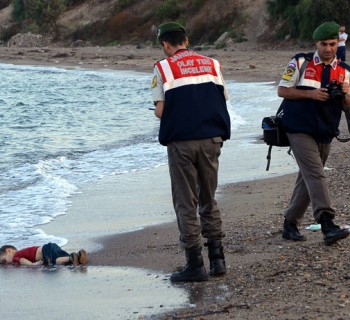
[
  {"x": 128, "y": 249},
  {"x": 245, "y": 65},
  {"x": 268, "y": 277}
]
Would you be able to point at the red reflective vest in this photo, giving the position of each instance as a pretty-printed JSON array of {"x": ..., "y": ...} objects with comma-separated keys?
[{"x": 195, "y": 105}]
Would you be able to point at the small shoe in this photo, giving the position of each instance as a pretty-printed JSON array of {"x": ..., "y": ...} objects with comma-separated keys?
[
  {"x": 82, "y": 257},
  {"x": 291, "y": 232},
  {"x": 74, "y": 259}
]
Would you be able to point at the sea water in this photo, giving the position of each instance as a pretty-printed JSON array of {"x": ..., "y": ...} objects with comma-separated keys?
[{"x": 62, "y": 129}]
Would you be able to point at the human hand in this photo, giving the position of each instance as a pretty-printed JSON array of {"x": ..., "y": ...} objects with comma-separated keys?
[
  {"x": 320, "y": 94},
  {"x": 345, "y": 88}
]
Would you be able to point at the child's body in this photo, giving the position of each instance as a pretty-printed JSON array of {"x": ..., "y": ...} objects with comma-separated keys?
[{"x": 48, "y": 254}]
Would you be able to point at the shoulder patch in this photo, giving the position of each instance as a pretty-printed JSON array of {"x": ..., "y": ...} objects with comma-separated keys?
[
  {"x": 289, "y": 71},
  {"x": 154, "y": 82}
]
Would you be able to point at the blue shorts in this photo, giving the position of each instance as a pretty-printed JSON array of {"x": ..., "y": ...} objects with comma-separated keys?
[{"x": 51, "y": 252}]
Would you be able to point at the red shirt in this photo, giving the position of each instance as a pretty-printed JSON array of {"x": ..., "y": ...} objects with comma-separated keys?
[{"x": 27, "y": 253}]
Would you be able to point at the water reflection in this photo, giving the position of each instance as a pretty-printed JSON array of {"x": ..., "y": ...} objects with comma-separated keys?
[{"x": 107, "y": 293}]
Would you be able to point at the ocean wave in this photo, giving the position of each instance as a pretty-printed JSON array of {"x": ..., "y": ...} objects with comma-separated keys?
[{"x": 63, "y": 129}]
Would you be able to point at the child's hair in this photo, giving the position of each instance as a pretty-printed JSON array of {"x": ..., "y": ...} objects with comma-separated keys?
[
  {"x": 5, "y": 247},
  {"x": 3, "y": 252}
]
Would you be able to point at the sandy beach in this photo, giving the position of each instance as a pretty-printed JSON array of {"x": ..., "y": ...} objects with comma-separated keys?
[
  {"x": 242, "y": 61},
  {"x": 268, "y": 277}
]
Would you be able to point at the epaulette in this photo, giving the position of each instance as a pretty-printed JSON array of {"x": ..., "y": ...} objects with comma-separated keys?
[
  {"x": 344, "y": 65},
  {"x": 307, "y": 56}
]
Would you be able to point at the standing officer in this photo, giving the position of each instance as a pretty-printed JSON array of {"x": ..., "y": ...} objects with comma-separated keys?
[
  {"x": 311, "y": 118},
  {"x": 190, "y": 98}
]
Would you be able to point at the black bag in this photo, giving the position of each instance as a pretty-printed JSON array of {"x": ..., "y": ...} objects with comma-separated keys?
[{"x": 274, "y": 133}]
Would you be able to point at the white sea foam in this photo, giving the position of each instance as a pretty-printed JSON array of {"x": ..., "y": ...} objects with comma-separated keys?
[{"x": 65, "y": 129}]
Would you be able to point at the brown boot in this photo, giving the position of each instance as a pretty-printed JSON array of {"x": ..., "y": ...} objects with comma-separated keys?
[{"x": 82, "y": 257}]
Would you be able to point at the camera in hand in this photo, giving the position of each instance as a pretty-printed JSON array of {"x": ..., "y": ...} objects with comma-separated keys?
[{"x": 334, "y": 90}]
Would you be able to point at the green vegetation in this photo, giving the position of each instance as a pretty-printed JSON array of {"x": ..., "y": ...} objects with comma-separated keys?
[
  {"x": 71, "y": 3},
  {"x": 124, "y": 4},
  {"x": 18, "y": 12},
  {"x": 132, "y": 21},
  {"x": 169, "y": 9},
  {"x": 299, "y": 18},
  {"x": 43, "y": 13}
]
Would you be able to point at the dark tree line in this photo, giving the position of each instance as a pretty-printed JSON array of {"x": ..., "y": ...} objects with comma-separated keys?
[
  {"x": 294, "y": 18},
  {"x": 299, "y": 18}
]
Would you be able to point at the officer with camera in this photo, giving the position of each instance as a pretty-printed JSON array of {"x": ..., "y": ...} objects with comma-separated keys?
[{"x": 312, "y": 107}]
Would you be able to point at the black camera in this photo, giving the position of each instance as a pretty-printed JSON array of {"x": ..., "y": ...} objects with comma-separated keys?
[{"x": 334, "y": 90}]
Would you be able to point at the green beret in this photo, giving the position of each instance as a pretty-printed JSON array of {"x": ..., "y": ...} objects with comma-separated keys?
[
  {"x": 168, "y": 27},
  {"x": 327, "y": 30}
]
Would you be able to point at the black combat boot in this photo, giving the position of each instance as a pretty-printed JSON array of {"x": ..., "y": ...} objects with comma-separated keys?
[
  {"x": 331, "y": 232},
  {"x": 291, "y": 232},
  {"x": 194, "y": 271},
  {"x": 216, "y": 257}
]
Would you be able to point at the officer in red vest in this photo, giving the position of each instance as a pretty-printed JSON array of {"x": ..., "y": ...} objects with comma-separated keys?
[
  {"x": 313, "y": 103},
  {"x": 190, "y": 98}
]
